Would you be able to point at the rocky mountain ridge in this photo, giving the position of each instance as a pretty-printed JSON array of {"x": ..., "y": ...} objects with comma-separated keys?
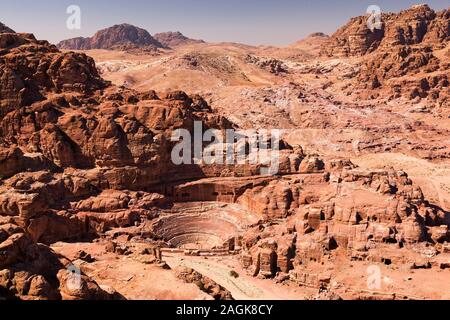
[
  {"x": 419, "y": 25},
  {"x": 408, "y": 56},
  {"x": 122, "y": 36},
  {"x": 127, "y": 37}
]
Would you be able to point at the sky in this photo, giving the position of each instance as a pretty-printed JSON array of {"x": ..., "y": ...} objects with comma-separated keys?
[{"x": 256, "y": 22}]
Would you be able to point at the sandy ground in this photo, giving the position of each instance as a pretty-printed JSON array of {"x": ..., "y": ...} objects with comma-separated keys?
[
  {"x": 131, "y": 276},
  {"x": 353, "y": 278}
]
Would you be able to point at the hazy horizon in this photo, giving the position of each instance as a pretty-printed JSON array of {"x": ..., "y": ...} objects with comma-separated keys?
[{"x": 254, "y": 22}]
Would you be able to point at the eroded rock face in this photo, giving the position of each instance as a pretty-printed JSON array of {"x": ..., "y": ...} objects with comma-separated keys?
[
  {"x": 400, "y": 58},
  {"x": 355, "y": 38},
  {"x": 427, "y": 76},
  {"x": 31, "y": 69},
  {"x": 31, "y": 271},
  {"x": 204, "y": 283},
  {"x": 272, "y": 65},
  {"x": 418, "y": 25},
  {"x": 355, "y": 211},
  {"x": 56, "y": 207}
]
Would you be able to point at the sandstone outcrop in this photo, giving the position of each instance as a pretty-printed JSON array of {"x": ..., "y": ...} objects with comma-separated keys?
[
  {"x": 346, "y": 209},
  {"x": 418, "y": 25},
  {"x": 399, "y": 58},
  {"x": 31, "y": 69},
  {"x": 204, "y": 283},
  {"x": 272, "y": 65},
  {"x": 32, "y": 271}
]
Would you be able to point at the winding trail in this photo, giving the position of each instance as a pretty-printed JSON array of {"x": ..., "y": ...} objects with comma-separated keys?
[{"x": 242, "y": 288}]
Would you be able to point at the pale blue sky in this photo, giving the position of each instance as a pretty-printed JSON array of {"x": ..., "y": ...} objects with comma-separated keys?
[{"x": 277, "y": 22}]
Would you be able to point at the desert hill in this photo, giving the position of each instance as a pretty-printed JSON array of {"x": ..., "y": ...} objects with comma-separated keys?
[{"x": 174, "y": 39}]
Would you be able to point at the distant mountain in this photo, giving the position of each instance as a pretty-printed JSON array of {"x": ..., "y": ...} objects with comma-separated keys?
[
  {"x": 312, "y": 44},
  {"x": 5, "y": 29},
  {"x": 174, "y": 39},
  {"x": 79, "y": 43},
  {"x": 122, "y": 36},
  {"x": 318, "y": 35}
]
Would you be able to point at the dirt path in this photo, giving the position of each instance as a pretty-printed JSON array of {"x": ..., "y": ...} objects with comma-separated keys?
[{"x": 242, "y": 288}]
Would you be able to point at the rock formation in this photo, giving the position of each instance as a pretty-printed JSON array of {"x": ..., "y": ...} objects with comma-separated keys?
[
  {"x": 399, "y": 58},
  {"x": 31, "y": 69},
  {"x": 204, "y": 283},
  {"x": 32, "y": 271},
  {"x": 418, "y": 25},
  {"x": 382, "y": 209}
]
